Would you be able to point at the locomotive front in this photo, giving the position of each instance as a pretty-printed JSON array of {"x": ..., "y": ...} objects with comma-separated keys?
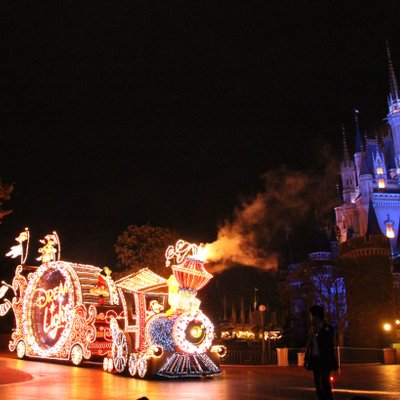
[
  {"x": 165, "y": 333},
  {"x": 184, "y": 332}
]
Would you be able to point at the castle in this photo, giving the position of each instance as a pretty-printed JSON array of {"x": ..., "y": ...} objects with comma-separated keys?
[
  {"x": 372, "y": 179},
  {"x": 356, "y": 275},
  {"x": 368, "y": 220}
]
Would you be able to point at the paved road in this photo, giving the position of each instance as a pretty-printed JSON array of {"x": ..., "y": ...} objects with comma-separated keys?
[{"x": 22, "y": 379}]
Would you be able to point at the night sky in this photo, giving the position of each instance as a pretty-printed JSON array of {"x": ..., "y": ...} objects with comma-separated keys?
[{"x": 169, "y": 113}]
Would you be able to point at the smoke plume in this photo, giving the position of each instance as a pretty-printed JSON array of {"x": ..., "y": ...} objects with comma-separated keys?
[{"x": 260, "y": 227}]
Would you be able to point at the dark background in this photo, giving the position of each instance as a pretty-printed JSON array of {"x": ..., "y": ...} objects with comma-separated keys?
[{"x": 169, "y": 113}]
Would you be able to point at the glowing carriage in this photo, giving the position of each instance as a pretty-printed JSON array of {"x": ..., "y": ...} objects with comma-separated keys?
[{"x": 141, "y": 324}]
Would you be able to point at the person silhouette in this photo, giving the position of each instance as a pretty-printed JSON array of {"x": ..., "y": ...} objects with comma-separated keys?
[{"x": 320, "y": 355}]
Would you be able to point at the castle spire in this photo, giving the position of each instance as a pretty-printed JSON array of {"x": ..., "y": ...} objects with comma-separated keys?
[
  {"x": 346, "y": 157},
  {"x": 373, "y": 224},
  {"x": 348, "y": 173},
  {"x": 339, "y": 199},
  {"x": 358, "y": 145},
  {"x": 394, "y": 90}
]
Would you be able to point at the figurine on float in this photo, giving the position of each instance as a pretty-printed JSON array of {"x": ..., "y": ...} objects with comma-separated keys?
[
  {"x": 142, "y": 324},
  {"x": 18, "y": 250},
  {"x": 49, "y": 250}
]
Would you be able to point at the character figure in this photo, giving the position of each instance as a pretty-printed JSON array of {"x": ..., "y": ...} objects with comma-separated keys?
[
  {"x": 48, "y": 251},
  {"x": 173, "y": 294},
  {"x": 101, "y": 287},
  {"x": 18, "y": 250}
]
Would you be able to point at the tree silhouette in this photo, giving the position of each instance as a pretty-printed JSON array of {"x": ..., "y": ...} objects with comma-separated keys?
[
  {"x": 143, "y": 246},
  {"x": 5, "y": 194}
]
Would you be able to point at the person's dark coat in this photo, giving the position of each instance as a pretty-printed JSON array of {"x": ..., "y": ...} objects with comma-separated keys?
[{"x": 326, "y": 359}]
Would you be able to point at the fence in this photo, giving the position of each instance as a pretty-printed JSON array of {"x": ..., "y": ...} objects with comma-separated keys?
[
  {"x": 346, "y": 355},
  {"x": 246, "y": 357},
  {"x": 352, "y": 355}
]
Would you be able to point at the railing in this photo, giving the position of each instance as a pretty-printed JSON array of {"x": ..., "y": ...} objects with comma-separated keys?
[
  {"x": 246, "y": 357},
  {"x": 352, "y": 355},
  {"x": 345, "y": 355}
]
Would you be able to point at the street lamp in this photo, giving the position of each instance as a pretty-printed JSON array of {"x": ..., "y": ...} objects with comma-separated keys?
[
  {"x": 387, "y": 327},
  {"x": 262, "y": 309}
]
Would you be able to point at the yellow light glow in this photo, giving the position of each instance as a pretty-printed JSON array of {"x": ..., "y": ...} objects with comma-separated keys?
[
  {"x": 397, "y": 321},
  {"x": 387, "y": 327},
  {"x": 390, "y": 231},
  {"x": 201, "y": 253},
  {"x": 173, "y": 294},
  {"x": 379, "y": 171},
  {"x": 196, "y": 332},
  {"x": 381, "y": 184}
]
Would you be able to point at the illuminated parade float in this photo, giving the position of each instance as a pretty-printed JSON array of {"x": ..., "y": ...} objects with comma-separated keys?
[{"x": 143, "y": 324}]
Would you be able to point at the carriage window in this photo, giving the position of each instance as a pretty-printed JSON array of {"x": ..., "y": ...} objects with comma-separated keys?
[{"x": 130, "y": 305}]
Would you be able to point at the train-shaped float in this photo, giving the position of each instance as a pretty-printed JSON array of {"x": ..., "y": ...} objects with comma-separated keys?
[{"x": 143, "y": 324}]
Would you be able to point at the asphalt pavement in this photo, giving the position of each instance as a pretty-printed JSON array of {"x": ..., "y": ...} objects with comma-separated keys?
[{"x": 28, "y": 379}]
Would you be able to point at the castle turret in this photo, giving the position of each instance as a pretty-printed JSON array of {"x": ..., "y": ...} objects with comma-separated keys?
[
  {"x": 365, "y": 179},
  {"x": 380, "y": 172},
  {"x": 366, "y": 263}
]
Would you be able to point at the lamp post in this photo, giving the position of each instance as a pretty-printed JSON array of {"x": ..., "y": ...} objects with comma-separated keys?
[
  {"x": 262, "y": 309},
  {"x": 389, "y": 332},
  {"x": 390, "y": 329},
  {"x": 389, "y": 354}
]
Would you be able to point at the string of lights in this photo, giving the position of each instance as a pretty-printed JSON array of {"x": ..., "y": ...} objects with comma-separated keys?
[{"x": 68, "y": 311}]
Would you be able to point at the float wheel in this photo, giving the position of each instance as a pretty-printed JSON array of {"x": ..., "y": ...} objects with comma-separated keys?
[
  {"x": 120, "y": 352},
  {"x": 21, "y": 349},
  {"x": 142, "y": 367},
  {"x": 76, "y": 354},
  {"x": 133, "y": 365}
]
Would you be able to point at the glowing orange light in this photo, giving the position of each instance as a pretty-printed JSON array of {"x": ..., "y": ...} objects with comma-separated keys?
[
  {"x": 381, "y": 184},
  {"x": 387, "y": 327},
  {"x": 196, "y": 332},
  {"x": 390, "y": 231},
  {"x": 201, "y": 254}
]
